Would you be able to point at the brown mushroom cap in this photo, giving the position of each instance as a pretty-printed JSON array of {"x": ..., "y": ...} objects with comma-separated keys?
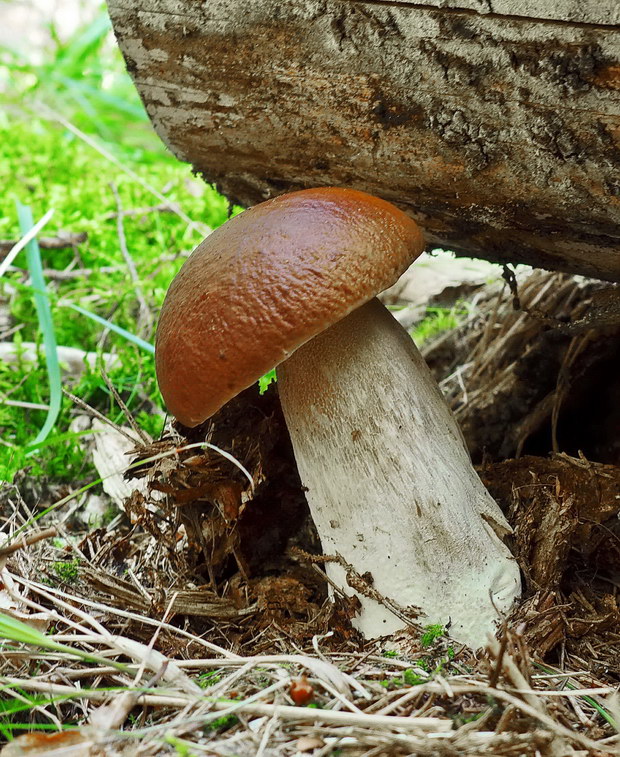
[{"x": 265, "y": 283}]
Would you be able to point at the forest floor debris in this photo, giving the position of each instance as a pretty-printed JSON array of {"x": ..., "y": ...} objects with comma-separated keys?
[{"x": 199, "y": 622}]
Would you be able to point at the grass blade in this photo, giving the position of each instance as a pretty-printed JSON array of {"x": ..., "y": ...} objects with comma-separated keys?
[
  {"x": 113, "y": 327},
  {"x": 44, "y": 314},
  {"x": 15, "y": 630},
  {"x": 17, "y": 248}
]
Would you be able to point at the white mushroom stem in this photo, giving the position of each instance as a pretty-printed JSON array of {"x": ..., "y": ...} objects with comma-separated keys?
[{"x": 389, "y": 481}]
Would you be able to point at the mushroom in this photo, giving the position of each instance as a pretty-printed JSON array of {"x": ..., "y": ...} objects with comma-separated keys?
[{"x": 391, "y": 489}]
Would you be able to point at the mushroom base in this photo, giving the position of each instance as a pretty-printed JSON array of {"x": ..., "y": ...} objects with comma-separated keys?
[{"x": 389, "y": 481}]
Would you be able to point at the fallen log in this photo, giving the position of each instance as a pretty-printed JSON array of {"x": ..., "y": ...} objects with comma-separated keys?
[{"x": 495, "y": 124}]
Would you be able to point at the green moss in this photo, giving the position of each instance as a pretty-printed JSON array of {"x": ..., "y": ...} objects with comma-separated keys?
[
  {"x": 221, "y": 724},
  {"x": 431, "y": 634},
  {"x": 50, "y": 168},
  {"x": 209, "y": 678},
  {"x": 437, "y": 321},
  {"x": 67, "y": 570}
]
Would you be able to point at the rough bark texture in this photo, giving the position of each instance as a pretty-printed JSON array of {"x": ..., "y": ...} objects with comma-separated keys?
[{"x": 499, "y": 133}]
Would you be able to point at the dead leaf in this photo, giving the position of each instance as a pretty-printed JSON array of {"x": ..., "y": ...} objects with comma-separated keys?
[
  {"x": 64, "y": 744},
  {"x": 309, "y": 743}
]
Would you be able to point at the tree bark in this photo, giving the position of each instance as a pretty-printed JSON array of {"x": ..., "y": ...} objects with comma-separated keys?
[{"x": 494, "y": 123}]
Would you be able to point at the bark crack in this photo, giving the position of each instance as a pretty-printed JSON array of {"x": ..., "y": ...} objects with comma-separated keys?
[{"x": 493, "y": 14}]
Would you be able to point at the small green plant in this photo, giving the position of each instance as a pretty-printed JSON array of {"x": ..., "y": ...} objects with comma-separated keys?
[
  {"x": 431, "y": 634},
  {"x": 427, "y": 666},
  {"x": 266, "y": 380},
  {"x": 208, "y": 678},
  {"x": 181, "y": 748},
  {"x": 424, "y": 663},
  {"x": 411, "y": 678},
  {"x": 221, "y": 724},
  {"x": 437, "y": 321},
  {"x": 389, "y": 653},
  {"x": 67, "y": 570}
]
